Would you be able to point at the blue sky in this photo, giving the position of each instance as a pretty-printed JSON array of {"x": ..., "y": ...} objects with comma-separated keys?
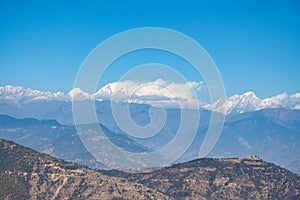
[{"x": 255, "y": 44}]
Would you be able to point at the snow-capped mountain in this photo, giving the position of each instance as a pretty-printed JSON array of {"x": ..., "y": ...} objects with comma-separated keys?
[
  {"x": 17, "y": 95},
  {"x": 78, "y": 94},
  {"x": 157, "y": 93},
  {"x": 236, "y": 103},
  {"x": 248, "y": 101},
  {"x": 276, "y": 129},
  {"x": 153, "y": 93}
]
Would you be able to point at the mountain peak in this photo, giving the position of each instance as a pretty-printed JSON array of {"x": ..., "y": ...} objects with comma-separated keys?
[
  {"x": 250, "y": 102},
  {"x": 78, "y": 94},
  {"x": 18, "y": 94},
  {"x": 11, "y": 88},
  {"x": 151, "y": 94},
  {"x": 249, "y": 94}
]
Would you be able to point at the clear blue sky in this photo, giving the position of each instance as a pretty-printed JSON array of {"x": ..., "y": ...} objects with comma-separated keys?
[{"x": 255, "y": 44}]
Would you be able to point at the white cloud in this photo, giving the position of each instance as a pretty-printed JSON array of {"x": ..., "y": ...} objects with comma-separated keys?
[
  {"x": 275, "y": 101},
  {"x": 156, "y": 93}
]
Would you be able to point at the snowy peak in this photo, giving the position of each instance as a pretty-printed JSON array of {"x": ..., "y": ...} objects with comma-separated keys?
[
  {"x": 249, "y": 95},
  {"x": 244, "y": 102},
  {"x": 78, "y": 94},
  {"x": 17, "y": 94},
  {"x": 120, "y": 90},
  {"x": 235, "y": 104},
  {"x": 155, "y": 93},
  {"x": 248, "y": 101}
]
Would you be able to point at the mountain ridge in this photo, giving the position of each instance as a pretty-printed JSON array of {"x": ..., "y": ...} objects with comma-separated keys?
[
  {"x": 235, "y": 104},
  {"x": 272, "y": 134},
  {"x": 27, "y": 174},
  {"x": 217, "y": 178}
]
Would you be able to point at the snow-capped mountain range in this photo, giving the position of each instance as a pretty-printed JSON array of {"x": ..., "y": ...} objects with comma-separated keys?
[
  {"x": 157, "y": 93},
  {"x": 250, "y": 102},
  {"x": 153, "y": 94}
]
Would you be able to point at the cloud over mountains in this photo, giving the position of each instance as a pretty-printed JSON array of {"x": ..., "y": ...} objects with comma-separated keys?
[{"x": 158, "y": 93}]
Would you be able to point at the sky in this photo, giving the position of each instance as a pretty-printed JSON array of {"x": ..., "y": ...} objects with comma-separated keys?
[{"x": 255, "y": 44}]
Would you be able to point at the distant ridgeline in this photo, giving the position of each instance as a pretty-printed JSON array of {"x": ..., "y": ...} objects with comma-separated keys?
[{"x": 272, "y": 134}]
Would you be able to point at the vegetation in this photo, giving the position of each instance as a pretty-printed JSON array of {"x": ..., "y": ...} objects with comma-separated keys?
[
  {"x": 235, "y": 178},
  {"x": 27, "y": 174}
]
